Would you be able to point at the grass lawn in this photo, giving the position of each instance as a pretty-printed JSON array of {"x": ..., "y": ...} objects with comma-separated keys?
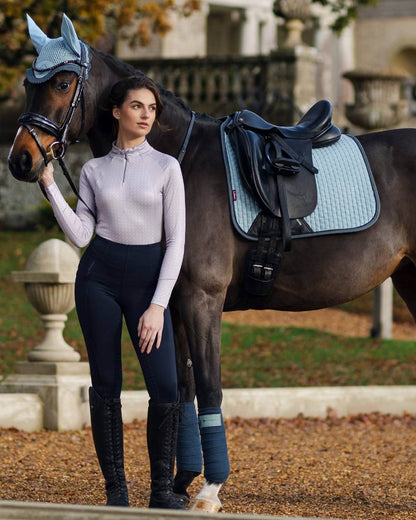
[{"x": 251, "y": 356}]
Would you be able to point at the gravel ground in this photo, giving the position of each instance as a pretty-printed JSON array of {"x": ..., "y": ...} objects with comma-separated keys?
[{"x": 358, "y": 467}]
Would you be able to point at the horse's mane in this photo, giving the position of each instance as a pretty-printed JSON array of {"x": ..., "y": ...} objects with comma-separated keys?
[{"x": 118, "y": 66}]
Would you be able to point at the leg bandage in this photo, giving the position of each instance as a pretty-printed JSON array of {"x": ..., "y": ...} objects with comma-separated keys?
[
  {"x": 188, "y": 451},
  {"x": 214, "y": 445}
]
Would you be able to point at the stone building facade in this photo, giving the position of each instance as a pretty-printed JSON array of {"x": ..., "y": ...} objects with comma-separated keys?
[
  {"x": 381, "y": 40},
  {"x": 385, "y": 40},
  {"x": 219, "y": 28}
]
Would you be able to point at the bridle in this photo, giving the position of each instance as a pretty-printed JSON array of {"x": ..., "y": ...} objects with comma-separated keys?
[{"x": 57, "y": 149}]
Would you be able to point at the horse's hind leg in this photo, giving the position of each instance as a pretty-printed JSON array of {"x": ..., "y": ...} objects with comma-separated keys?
[{"x": 404, "y": 280}]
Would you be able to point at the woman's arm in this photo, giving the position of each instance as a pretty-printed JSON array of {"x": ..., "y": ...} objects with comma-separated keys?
[
  {"x": 150, "y": 326},
  {"x": 78, "y": 226},
  {"x": 174, "y": 226}
]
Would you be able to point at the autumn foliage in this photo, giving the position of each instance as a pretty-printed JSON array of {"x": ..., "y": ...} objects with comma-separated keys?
[{"x": 96, "y": 22}]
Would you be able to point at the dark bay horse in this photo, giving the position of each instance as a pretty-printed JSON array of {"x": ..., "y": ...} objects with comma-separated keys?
[{"x": 318, "y": 272}]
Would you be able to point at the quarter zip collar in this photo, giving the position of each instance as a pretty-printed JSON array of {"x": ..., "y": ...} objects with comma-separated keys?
[
  {"x": 136, "y": 150},
  {"x": 129, "y": 154}
]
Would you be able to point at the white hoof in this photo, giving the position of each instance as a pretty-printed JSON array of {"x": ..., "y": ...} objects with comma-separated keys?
[
  {"x": 207, "y": 499},
  {"x": 206, "y": 506}
]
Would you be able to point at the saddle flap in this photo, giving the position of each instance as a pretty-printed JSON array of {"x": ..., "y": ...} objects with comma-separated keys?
[{"x": 260, "y": 162}]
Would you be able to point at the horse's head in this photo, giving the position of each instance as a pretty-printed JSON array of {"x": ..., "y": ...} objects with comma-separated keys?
[{"x": 54, "y": 88}]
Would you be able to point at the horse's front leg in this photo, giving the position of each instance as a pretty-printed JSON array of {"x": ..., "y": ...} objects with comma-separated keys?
[
  {"x": 202, "y": 315},
  {"x": 189, "y": 451}
]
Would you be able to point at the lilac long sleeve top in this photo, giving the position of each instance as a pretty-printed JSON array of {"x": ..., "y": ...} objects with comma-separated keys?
[{"x": 135, "y": 193}]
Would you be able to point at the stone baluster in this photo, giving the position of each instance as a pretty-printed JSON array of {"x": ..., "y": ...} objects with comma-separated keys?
[{"x": 197, "y": 85}]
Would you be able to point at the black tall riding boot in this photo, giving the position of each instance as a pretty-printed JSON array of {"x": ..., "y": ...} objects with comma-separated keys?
[
  {"x": 162, "y": 434},
  {"x": 107, "y": 432}
]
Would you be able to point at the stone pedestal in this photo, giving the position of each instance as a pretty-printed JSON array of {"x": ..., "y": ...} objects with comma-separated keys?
[
  {"x": 292, "y": 83},
  {"x": 49, "y": 278},
  {"x": 53, "y": 372},
  {"x": 62, "y": 388}
]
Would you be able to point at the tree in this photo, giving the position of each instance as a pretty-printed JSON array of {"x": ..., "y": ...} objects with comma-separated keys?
[
  {"x": 96, "y": 21},
  {"x": 345, "y": 11}
]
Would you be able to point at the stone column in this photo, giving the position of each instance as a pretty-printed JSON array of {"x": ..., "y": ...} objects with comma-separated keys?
[
  {"x": 249, "y": 33},
  {"x": 53, "y": 370}
]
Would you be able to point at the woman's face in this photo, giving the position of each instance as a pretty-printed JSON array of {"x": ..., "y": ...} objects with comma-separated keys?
[{"x": 136, "y": 115}]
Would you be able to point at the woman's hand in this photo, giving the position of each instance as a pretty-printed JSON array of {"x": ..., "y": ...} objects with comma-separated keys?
[
  {"x": 47, "y": 177},
  {"x": 150, "y": 328}
]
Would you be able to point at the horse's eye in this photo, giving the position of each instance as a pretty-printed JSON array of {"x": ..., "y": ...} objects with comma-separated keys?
[{"x": 62, "y": 85}]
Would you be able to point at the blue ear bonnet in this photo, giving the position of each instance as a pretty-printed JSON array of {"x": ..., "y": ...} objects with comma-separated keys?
[
  {"x": 66, "y": 53},
  {"x": 56, "y": 57}
]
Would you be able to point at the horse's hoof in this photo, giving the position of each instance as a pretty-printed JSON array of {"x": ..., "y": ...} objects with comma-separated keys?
[
  {"x": 183, "y": 499},
  {"x": 207, "y": 506}
]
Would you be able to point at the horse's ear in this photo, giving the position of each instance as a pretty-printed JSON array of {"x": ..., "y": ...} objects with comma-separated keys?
[
  {"x": 69, "y": 35},
  {"x": 38, "y": 37}
]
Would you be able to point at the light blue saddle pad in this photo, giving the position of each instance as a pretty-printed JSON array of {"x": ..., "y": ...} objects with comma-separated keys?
[{"x": 347, "y": 195}]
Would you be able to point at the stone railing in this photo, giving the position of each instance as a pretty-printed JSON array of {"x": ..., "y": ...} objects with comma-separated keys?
[{"x": 266, "y": 84}]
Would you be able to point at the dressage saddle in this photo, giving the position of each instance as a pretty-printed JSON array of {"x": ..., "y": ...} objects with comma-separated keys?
[{"x": 275, "y": 163}]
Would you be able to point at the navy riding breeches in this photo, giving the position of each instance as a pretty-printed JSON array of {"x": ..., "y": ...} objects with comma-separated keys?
[{"x": 116, "y": 280}]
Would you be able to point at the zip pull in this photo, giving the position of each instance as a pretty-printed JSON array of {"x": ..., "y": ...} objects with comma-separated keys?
[{"x": 125, "y": 167}]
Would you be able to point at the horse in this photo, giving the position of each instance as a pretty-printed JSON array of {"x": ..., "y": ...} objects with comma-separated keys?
[{"x": 317, "y": 272}]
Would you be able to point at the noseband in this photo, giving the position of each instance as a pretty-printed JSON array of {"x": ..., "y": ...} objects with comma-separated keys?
[{"x": 57, "y": 149}]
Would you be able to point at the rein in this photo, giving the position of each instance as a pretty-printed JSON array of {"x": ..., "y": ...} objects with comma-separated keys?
[{"x": 185, "y": 143}]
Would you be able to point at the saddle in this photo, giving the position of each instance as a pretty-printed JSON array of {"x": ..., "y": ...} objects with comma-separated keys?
[{"x": 275, "y": 163}]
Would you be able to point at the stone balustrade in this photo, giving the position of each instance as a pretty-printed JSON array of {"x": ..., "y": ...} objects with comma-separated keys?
[{"x": 271, "y": 85}]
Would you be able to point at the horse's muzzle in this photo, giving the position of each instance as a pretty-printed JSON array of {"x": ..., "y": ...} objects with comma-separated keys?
[{"x": 20, "y": 166}]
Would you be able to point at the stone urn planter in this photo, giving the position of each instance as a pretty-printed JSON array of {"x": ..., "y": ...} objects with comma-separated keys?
[
  {"x": 295, "y": 13},
  {"x": 49, "y": 278},
  {"x": 378, "y": 102}
]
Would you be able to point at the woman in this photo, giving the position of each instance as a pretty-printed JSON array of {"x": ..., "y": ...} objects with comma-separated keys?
[{"x": 127, "y": 198}]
